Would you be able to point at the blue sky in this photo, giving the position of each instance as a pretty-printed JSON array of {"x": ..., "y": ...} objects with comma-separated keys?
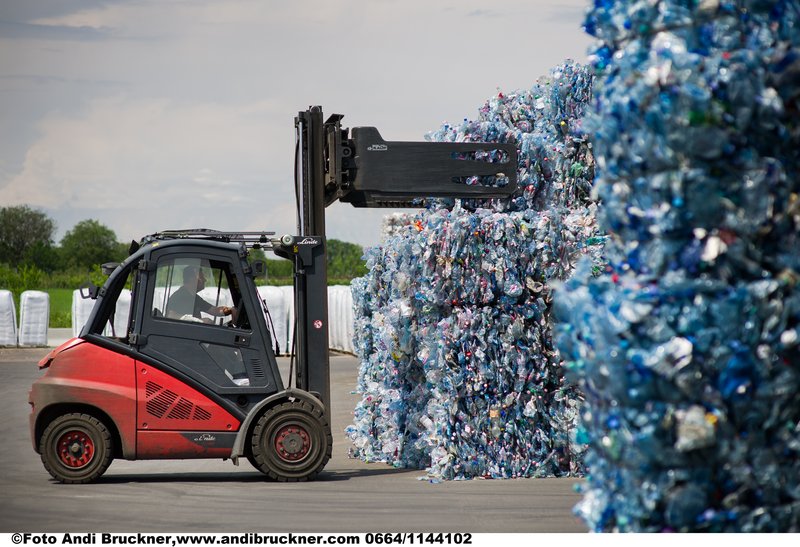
[{"x": 155, "y": 114}]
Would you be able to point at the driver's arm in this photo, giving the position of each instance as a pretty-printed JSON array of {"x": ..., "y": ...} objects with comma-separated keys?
[{"x": 219, "y": 311}]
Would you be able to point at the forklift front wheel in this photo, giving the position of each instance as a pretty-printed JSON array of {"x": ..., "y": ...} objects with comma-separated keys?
[
  {"x": 291, "y": 442},
  {"x": 76, "y": 448}
]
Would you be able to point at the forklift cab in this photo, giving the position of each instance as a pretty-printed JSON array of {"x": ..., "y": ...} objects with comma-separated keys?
[{"x": 228, "y": 355}]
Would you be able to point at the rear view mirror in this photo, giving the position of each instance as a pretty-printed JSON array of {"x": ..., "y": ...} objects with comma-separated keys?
[
  {"x": 89, "y": 290},
  {"x": 259, "y": 268},
  {"x": 109, "y": 267}
]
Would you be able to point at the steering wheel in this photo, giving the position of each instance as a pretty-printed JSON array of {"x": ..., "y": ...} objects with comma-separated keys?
[{"x": 237, "y": 309}]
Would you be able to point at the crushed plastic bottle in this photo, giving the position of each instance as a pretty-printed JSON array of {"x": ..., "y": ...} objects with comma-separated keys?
[{"x": 685, "y": 346}]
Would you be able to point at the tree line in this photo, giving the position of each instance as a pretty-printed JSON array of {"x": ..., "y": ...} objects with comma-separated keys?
[
  {"x": 27, "y": 239},
  {"x": 31, "y": 259}
]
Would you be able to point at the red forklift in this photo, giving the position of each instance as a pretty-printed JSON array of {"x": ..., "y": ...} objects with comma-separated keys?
[{"x": 203, "y": 381}]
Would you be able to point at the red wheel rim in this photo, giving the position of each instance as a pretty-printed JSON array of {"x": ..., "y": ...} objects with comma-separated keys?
[
  {"x": 75, "y": 449},
  {"x": 292, "y": 443}
]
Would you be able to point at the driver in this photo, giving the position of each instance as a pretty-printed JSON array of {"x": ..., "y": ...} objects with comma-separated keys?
[{"x": 186, "y": 304}]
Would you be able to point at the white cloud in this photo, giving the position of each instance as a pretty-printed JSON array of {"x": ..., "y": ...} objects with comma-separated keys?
[{"x": 129, "y": 155}]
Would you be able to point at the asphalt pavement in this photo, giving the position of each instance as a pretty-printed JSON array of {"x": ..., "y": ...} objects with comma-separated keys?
[{"x": 216, "y": 496}]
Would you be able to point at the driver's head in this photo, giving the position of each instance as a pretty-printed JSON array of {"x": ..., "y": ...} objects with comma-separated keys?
[{"x": 193, "y": 278}]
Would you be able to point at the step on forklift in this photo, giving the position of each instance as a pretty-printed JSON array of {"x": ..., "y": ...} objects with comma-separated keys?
[{"x": 194, "y": 372}]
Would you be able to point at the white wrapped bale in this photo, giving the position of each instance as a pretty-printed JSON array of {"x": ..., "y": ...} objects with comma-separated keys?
[
  {"x": 340, "y": 318},
  {"x": 275, "y": 299},
  {"x": 8, "y": 319},
  {"x": 34, "y": 318},
  {"x": 122, "y": 314},
  {"x": 81, "y": 309},
  {"x": 288, "y": 299}
]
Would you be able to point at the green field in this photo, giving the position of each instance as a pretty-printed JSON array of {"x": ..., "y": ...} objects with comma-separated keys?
[{"x": 60, "y": 308}]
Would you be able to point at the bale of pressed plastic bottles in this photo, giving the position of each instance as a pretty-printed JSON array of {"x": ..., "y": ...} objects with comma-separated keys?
[
  {"x": 686, "y": 346},
  {"x": 459, "y": 374}
]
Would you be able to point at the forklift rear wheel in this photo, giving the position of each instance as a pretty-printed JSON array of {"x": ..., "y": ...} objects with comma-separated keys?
[
  {"x": 76, "y": 448},
  {"x": 291, "y": 442}
]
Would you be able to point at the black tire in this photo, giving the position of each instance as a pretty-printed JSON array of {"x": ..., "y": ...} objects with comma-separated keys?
[
  {"x": 253, "y": 461},
  {"x": 291, "y": 442},
  {"x": 76, "y": 448}
]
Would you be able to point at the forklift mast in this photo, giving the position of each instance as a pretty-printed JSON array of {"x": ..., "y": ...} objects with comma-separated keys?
[{"x": 361, "y": 168}]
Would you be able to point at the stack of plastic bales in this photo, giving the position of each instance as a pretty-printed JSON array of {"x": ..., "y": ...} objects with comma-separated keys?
[
  {"x": 687, "y": 347},
  {"x": 458, "y": 372}
]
